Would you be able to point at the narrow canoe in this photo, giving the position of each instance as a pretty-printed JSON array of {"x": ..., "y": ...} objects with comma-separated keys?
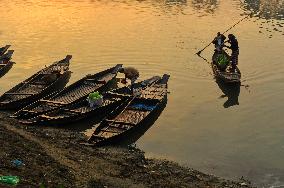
[
  {"x": 4, "y": 49},
  {"x": 44, "y": 82},
  {"x": 227, "y": 76},
  {"x": 131, "y": 115},
  {"x": 5, "y": 62},
  {"x": 81, "y": 109},
  {"x": 71, "y": 94}
]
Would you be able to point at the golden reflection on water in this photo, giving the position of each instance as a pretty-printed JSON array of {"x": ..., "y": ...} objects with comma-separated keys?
[{"x": 161, "y": 37}]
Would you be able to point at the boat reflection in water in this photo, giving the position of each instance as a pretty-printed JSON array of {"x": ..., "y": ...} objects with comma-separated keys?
[
  {"x": 208, "y": 6},
  {"x": 267, "y": 9},
  {"x": 231, "y": 91}
]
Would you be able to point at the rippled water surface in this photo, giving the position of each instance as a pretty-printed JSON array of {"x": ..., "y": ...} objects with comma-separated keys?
[{"x": 230, "y": 132}]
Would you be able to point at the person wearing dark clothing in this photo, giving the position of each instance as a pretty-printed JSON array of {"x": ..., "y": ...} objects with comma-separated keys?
[
  {"x": 219, "y": 41},
  {"x": 234, "y": 46},
  {"x": 130, "y": 73}
]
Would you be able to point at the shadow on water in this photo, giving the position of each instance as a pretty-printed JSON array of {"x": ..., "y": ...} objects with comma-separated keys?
[{"x": 231, "y": 91}]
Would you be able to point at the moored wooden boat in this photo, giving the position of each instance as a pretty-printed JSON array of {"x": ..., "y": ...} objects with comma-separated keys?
[
  {"x": 69, "y": 95},
  {"x": 131, "y": 115},
  {"x": 81, "y": 109},
  {"x": 44, "y": 82},
  {"x": 4, "y": 49},
  {"x": 5, "y": 62},
  {"x": 227, "y": 75}
]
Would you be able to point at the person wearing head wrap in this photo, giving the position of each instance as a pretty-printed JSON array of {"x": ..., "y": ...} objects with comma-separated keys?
[{"x": 130, "y": 73}]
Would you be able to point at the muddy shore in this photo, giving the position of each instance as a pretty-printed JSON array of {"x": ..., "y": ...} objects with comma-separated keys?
[{"x": 53, "y": 157}]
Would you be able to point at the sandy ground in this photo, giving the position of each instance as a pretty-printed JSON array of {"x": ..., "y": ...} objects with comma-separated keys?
[{"x": 53, "y": 157}]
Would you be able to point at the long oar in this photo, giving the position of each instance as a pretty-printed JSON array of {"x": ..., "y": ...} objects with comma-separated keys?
[{"x": 199, "y": 52}]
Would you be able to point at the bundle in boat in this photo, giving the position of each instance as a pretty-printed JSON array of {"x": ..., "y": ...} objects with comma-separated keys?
[
  {"x": 83, "y": 109},
  {"x": 69, "y": 95},
  {"x": 131, "y": 115},
  {"x": 5, "y": 60},
  {"x": 41, "y": 84},
  {"x": 225, "y": 74}
]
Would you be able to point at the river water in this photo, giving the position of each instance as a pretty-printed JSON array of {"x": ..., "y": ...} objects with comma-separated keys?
[{"x": 212, "y": 128}]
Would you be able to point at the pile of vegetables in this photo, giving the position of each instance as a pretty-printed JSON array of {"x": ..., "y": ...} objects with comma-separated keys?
[
  {"x": 94, "y": 96},
  {"x": 222, "y": 60}
]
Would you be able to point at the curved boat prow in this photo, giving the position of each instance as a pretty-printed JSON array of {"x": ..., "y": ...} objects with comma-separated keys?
[
  {"x": 7, "y": 56},
  {"x": 4, "y": 49}
]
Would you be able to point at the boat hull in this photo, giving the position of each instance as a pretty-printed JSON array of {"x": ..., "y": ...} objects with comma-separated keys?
[
  {"x": 226, "y": 75},
  {"x": 41, "y": 84},
  {"x": 135, "y": 113},
  {"x": 56, "y": 86},
  {"x": 6, "y": 68},
  {"x": 126, "y": 137},
  {"x": 70, "y": 95}
]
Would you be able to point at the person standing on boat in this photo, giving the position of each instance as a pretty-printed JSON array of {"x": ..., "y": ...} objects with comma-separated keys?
[
  {"x": 219, "y": 41},
  {"x": 130, "y": 73},
  {"x": 235, "y": 50}
]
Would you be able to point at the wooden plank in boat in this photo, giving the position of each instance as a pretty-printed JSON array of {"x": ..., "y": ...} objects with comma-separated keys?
[
  {"x": 120, "y": 122},
  {"x": 53, "y": 102},
  {"x": 19, "y": 93},
  {"x": 110, "y": 130},
  {"x": 73, "y": 111},
  {"x": 29, "y": 111},
  {"x": 49, "y": 117},
  {"x": 119, "y": 94}
]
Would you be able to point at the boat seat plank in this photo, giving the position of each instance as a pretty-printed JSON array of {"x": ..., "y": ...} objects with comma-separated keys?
[
  {"x": 53, "y": 102},
  {"x": 116, "y": 127},
  {"x": 118, "y": 94},
  {"x": 96, "y": 80},
  {"x": 73, "y": 111},
  {"x": 29, "y": 111},
  {"x": 110, "y": 130},
  {"x": 19, "y": 93},
  {"x": 119, "y": 122},
  {"x": 37, "y": 83},
  {"x": 49, "y": 117}
]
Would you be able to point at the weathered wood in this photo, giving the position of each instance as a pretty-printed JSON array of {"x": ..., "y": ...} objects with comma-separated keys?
[
  {"x": 61, "y": 102},
  {"x": 33, "y": 88},
  {"x": 53, "y": 102},
  {"x": 125, "y": 119},
  {"x": 19, "y": 93}
]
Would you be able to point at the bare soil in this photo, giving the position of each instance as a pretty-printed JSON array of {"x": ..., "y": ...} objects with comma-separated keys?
[{"x": 54, "y": 157}]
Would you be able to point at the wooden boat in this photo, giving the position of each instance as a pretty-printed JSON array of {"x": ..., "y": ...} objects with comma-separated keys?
[
  {"x": 227, "y": 75},
  {"x": 71, "y": 94},
  {"x": 5, "y": 62},
  {"x": 131, "y": 115},
  {"x": 44, "y": 82},
  {"x": 4, "y": 49},
  {"x": 81, "y": 109}
]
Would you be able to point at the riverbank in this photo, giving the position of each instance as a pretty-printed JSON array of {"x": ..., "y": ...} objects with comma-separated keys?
[{"x": 53, "y": 157}]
